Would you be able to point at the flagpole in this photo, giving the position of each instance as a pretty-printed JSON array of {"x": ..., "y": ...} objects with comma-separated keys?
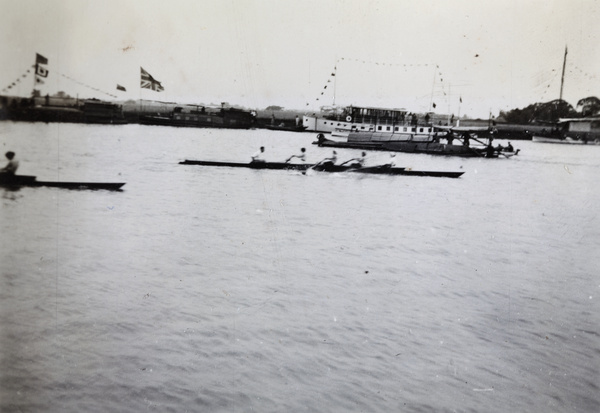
[
  {"x": 334, "y": 82},
  {"x": 449, "y": 97},
  {"x": 458, "y": 117},
  {"x": 562, "y": 78},
  {"x": 435, "y": 67},
  {"x": 34, "y": 79}
]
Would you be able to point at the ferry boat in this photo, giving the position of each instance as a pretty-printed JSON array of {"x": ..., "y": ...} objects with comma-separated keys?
[
  {"x": 394, "y": 130},
  {"x": 353, "y": 118}
]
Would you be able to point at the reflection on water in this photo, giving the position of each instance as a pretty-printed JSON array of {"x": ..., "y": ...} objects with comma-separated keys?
[{"x": 225, "y": 289}]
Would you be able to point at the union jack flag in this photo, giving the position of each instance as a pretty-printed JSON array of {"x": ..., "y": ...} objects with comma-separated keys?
[{"x": 148, "y": 82}]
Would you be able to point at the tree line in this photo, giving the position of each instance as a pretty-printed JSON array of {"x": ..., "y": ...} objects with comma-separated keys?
[{"x": 552, "y": 111}]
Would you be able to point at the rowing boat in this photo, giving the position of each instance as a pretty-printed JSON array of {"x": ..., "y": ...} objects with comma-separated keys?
[
  {"x": 17, "y": 181},
  {"x": 378, "y": 170},
  {"x": 252, "y": 165}
]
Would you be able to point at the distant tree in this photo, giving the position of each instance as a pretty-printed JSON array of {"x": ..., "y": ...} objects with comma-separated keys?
[
  {"x": 590, "y": 106},
  {"x": 274, "y": 107},
  {"x": 554, "y": 110},
  {"x": 541, "y": 112}
]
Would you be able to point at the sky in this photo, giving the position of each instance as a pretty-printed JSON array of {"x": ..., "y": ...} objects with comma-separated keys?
[{"x": 491, "y": 55}]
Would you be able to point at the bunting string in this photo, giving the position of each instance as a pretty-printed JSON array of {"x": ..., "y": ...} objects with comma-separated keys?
[
  {"x": 551, "y": 80},
  {"x": 86, "y": 85},
  {"x": 546, "y": 84},
  {"x": 29, "y": 71},
  {"x": 386, "y": 64},
  {"x": 18, "y": 80},
  {"x": 368, "y": 62},
  {"x": 583, "y": 74}
]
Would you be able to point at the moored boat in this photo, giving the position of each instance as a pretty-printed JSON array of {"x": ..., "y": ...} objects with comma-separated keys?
[
  {"x": 578, "y": 131},
  {"x": 571, "y": 131},
  {"x": 40, "y": 110},
  {"x": 399, "y": 131},
  {"x": 432, "y": 144},
  {"x": 285, "y": 128},
  {"x": 340, "y": 121},
  {"x": 202, "y": 117}
]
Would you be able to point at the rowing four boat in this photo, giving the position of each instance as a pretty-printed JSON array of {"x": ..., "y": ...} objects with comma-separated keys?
[
  {"x": 252, "y": 165},
  {"x": 379, "y": 170},
  {"x": 17, "y": 181}
]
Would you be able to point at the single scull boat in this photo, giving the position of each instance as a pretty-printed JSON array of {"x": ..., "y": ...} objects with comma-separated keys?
[{"x": 17, "y": 181}]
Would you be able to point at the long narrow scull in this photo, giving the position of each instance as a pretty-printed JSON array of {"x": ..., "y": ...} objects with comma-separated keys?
[
  {"x": 379, "y": 170},
  {"x": 17, "y": 181}
]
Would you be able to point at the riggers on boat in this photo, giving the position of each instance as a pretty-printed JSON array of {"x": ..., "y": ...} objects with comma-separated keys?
[
  {"x": 18, "y": 181},
  {"x": 378, "y": 170}
]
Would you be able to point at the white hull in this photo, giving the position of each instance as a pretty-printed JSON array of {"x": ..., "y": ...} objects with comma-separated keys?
[
  {"x": 341, "y": 129},
  {"x": 317, "y": 124},
  {"x": 567, "y": 141}
]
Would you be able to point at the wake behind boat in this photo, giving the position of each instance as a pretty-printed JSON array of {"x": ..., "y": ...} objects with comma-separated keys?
[
  {"x": 378, "y": 170},
  {"x": 18, "y": 181}
]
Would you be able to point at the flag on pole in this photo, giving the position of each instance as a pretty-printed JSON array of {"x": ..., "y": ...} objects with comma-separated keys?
[
  {"x": 148, "y": 82},
  {"x": 40, "y": 60},
  {"x": 40, "y": 69},
  {"x": 119, "y": 87}
]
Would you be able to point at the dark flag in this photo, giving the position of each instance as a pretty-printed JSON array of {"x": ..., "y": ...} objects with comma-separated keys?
[
  {"x": 40, "y": 60},
  {"x": 148, "y": 82},
  {"x": 434, "y": 105},
  {"x": 119, "y": 87},
  {"x": 40, "y": 70},
  {"x": 461, "y": 99}
]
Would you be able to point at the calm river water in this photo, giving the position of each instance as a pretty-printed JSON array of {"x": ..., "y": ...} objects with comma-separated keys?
[{"x": 235, "y": 290}]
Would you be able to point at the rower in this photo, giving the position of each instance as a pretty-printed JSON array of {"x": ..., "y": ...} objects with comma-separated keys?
[
  {"x": 329, "y": 161},
  {"x": 301, "y": 157},
  {"x": 258, "y": 155},
  {"x": 356, "y": 162},
  {"x": 392, "y": 162},
  {"x": 509, "y": 148},
  {"x": 466, "y": 139},
  {"x": 12, "y": 165}
]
